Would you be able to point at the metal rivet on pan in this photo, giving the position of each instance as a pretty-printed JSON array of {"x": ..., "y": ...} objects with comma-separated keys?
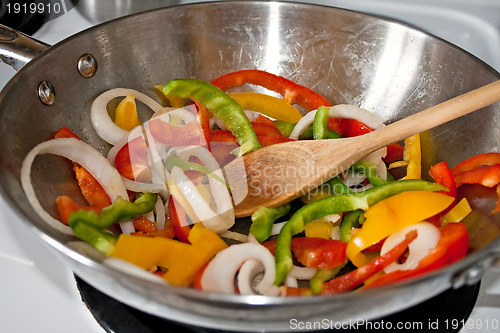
[
  {"x": 46, "y": 93},
  {"x": 87, "y": 65}
]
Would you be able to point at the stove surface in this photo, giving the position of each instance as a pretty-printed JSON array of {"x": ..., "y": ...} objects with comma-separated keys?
[{"x": 39, "y": 293}]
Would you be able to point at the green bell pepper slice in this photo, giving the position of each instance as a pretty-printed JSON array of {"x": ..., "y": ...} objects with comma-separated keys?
[
  {"x": 334, "y": 205},
  {"x": 102, "y": 240},
  {"x": 286, "y": 129},
  {"x": 350, "y": 221},
  {"x": 263, "y": 219},
  {"x": 369, "y": 169},
  {"x": 120, "y": 210},
  {"x": 221, "y": 104}
]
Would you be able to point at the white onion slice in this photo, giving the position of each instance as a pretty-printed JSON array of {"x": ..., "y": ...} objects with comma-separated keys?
[
  {"x": 211, "y": 219},
  {"x": 223, "y": 217},
  {"x": 160, "y": 214},
  {"x": 167, "y": 113},
  {"x": 277, "y": 228},
  {"x": 89, "y": 158},
  {"x": 302, "y": 273},
  {"x": 248, "y": 271},
  {"x": 103, "y": 124},
  {"x": 221, "y": 271},
  {"x": 428, "y": 236},
  {"x": 228, "y": 234},
  {"x": 219, "y": 191},
  {"x": 349, "y": 111}
]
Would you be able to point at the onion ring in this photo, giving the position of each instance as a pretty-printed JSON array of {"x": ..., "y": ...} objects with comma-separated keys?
[
  {"x": 103, "y": 124},
  {"x": 89, "y": 158}
]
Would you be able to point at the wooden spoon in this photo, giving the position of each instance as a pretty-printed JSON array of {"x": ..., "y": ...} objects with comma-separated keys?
[{"x": 274, "y": 175}]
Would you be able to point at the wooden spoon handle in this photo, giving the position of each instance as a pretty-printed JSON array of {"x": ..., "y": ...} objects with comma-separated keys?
[{"x": 435, "y": 115}]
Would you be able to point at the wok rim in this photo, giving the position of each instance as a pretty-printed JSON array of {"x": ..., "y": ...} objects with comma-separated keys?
[{"x": 481, "y": 255}]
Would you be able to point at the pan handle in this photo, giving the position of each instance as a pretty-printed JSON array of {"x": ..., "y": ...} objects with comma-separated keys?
[
  {"x": 476, "y": 271},
  {"x": 17, "y": 49}
]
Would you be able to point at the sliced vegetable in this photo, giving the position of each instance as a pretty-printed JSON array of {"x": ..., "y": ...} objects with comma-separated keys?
[
  {"x": 220, "y": 273},
  {"x": 482, "y": 169},
  {"x": 87, "y": 157},
  {"x": 148, "y": 252},
  {"x": 269, "y": 105},
  {"x": 319, "y": 252},
  {"x": 356, "y": 277},
  {"x": 126, "y": 116},
  {"x": 263, "y": 219},
  {"x": 205, "y": 245},
  {"x": 412, "y": 154},
  {"x": 100, "y": 239},
  {"x": 457, "y": 213},
  {"x": 120, "y": 210},
  {"x": 477, "y": 161},
  {"x": 335, "y": 205},
  {"x": 349, "y": 223},
  {"x": 103, "y": 124},
  {"x": 178, "y": 217},
  {"x": 452, "y": 246},
  {"x": 292, "y": 92},
  {"x": 427, "y": 238},
  {"x": 392, "y": 214},
  {"x": 221, "y": 104},
  {"x": 320, "y": 123}
]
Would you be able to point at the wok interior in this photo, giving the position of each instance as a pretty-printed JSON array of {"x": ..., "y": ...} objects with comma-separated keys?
[{"x": 348, "y": 57}]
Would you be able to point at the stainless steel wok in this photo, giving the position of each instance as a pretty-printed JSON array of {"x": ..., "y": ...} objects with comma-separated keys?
[{"x": 349, "y": 57}]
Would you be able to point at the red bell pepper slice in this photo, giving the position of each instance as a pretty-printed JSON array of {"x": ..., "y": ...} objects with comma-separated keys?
[
  {"x": 186, "y": 135},
  {"x": 132, "y": 159},
  {"x": 204, "y": 120},
  {"x": 177, "y": 217},
  {"x": 353, "y": 127},
  {"x": 319, "y": 252},
  {"x": 315, "y": 252},
  {"x": 264, "y": 120},
  {"x": 66, "y": 205},
  {"x": 90, "y": 188},
  {"x": 143, "y": 224},
  {"x": 474, "y": 162},
  {"x": 488, "y": 176},
  {"x": 441, "y": 173},
  {"x": 221, "y": 151},
  {"x": 265, "y": 129},
  {"x": 266, "y": 140},
  {"x": 482, "y": 169},
  {"x": 452, "y": 246},
  {"x": 223, "y": 136},
  {"x": 357, "y": 277},
  {"x": 260, "y": 129},
  {"x": 65, "y": 132},
  {"x": 394, "y": 153},
  {"x": 292, "y": 92}
]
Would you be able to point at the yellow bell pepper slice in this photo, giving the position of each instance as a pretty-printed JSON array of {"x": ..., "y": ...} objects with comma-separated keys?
[
  {"x": 271, "y": 106},
  {"x": 182, "y": 260},
  {"x": 390, "y": 215},
  {"x": 457, "y": 213},
  {"x": 126, "y": 114},
  {"x": 205, "y": 245},
  {"x": 319, "y": 229},
  {"x": 148, "y": 252},
  {"x": 413, "y": 155}
]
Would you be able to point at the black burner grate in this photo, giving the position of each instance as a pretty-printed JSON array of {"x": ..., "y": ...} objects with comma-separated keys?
[{"x": 447, "y": 310}]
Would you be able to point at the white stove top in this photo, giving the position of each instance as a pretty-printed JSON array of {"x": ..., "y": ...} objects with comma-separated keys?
[{"x": 38, "y": 293}]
